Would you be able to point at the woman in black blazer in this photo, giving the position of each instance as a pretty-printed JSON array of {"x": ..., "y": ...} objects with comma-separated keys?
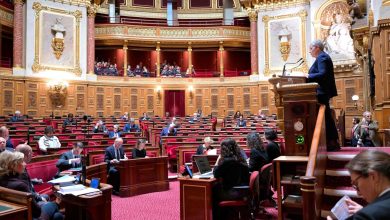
[{"x": 258, "y": 157}]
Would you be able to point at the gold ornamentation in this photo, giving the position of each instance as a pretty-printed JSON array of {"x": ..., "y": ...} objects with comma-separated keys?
[
  {"x": 171, "y": 34},
  {"x": 58, "y": 91},
  {"x": 19, "y": 2},
  {"x": 91, "y": 10},
  {"x": 285, "y": 48},
  {"x": 6, "y": 17},
  {"x": 58, "y": 46},
  {"x": 386, "y": 3},
  {"x": 252, "y": 14},
  {"x": 37, "y": 66}
]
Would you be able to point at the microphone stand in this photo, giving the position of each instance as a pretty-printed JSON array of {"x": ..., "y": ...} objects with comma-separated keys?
[{"x": 284, "y": 66}]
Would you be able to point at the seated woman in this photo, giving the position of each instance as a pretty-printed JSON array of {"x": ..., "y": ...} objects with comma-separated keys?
[
  {"x": 232, "y": 170},
  {"x": 370, "y": 175},
  {"x": 145, "y": 72},
  {"x": 139, "y": 151},
  {"x": 12, "y": 166},
  {"x": 48, "y": 140},
  {"x": 237, "y": 115},
  {"x": 258, "y": 157},
  {"x": 206, "y": 148},
  {"x": 129, "y": 71},
  {"x": 272, "y": 148}
]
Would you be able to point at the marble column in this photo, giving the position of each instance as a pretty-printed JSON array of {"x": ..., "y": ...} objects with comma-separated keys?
[
  {"x": 189, "y": 49},
  {"x": 91, "y": 10},
  {"x": 125, "y": 58},
  {"x": 18, "y": 34},
  {"x": 158, "y": 59},
  {"x": 252, "y": 13},
  {"x": 221, "y": 66}
]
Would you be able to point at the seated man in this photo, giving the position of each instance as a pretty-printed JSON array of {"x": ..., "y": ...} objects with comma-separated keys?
[
  {"x": 368, "y": 132},
  {"x": 112, "y": 156},
  {"x": 17, "y": 117},
  {"x": 115, "y": 133},
  {"x": 68, "y": 121},
  {"x": 241, "y": 123},
  {"x": 194, "y": 118},
  {"x": 125, "y": 116},
  {"x": 3, "y": 146},
  {"x": 70, "y": 159},
  {"x": 144, "y": 117},
  {"x": 100, "y": 127},
  {"x": 170, "y": 130},
  {"x": 131, "y": 126},
  {"x": 48, "y": 140}
]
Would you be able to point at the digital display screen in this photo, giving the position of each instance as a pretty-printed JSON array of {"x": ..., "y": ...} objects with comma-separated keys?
[{"x": 299, "y": 139}]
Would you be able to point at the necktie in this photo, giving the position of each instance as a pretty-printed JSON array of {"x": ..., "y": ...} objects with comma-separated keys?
[{"x": 118, "y": 156}]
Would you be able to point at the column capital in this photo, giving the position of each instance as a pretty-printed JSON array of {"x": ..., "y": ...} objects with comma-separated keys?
[
  {"x": 252, "y": 14},
  {"x": 91, "y": 10},
  {"x": 19, "y": 2}
]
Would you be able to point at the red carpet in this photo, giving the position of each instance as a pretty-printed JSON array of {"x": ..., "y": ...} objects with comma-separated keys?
[
  {"x": 159, "y": 206},
  {"x": 151, "y": 206}
]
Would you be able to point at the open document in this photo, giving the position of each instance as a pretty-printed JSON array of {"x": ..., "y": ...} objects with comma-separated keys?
[{"x": 340, "y": 210}]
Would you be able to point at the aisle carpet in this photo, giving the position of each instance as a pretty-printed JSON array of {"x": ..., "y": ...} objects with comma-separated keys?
[{"x": 158, "y": 206}]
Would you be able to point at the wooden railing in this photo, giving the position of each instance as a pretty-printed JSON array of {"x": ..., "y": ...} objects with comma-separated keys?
[{"x": 312, "y": 184}]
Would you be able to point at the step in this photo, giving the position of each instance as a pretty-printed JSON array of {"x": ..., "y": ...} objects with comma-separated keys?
[
  {"x": 337, "y": 172},
  {"x": 342, "y": 191},
  {"x": 341, "y": 157}
]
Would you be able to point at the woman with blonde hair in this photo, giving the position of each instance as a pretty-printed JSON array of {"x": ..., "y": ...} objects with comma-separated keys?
[{"x": 12, "y": 165}]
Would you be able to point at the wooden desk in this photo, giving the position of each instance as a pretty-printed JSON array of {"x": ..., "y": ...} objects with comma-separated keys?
[
  {"x": 97, "y": 207},
  {"x": 143, "y": 175},
  {"x": 196, "y": 199},
  {"x": 11, "y": 211}
]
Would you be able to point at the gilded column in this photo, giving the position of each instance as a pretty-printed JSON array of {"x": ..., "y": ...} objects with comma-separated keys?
[
  {"x": 189, "y": 58},
  {"x": 221, "y": 49},
  {"x": 125, "y": 58},
  {"x": 91, "y": 11},
  {"x": 18, "y": 34},
  {"x": 252, "y": 13},
  {"x": 158, "y": 59}
]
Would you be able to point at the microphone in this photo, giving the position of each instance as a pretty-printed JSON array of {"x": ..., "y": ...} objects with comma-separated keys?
[
  {"x": 299, "y": 64},
  {"x": 284, "y": 67}
]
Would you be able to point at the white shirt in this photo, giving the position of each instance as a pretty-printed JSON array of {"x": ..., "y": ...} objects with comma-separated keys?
[{"x": 46, "y": 142}]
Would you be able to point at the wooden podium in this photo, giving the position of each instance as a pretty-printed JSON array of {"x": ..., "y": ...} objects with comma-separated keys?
[
  {"x": 296, "y": 104},
  {"x": 143, "y": 175}
]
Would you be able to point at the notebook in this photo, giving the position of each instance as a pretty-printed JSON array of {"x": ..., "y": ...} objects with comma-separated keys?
[{"x": 202, "y": 162}]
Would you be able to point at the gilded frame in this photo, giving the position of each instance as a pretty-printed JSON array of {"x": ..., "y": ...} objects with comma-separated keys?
[
  {"x": 266, "y": 19},
  {"x": 37, "y": 66}
]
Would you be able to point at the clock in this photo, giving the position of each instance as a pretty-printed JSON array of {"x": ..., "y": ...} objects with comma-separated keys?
[{"x": 298, "y": 126}]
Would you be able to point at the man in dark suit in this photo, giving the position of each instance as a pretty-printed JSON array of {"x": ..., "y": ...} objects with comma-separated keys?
[
  {"x": 17, "y": 117},
  {"x": 322, "y": 73},
  {"x": 70, "y": 159},
  {"x": 112, "y": 156}
]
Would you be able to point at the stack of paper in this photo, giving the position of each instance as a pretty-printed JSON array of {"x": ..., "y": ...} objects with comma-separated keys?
[
  {"x": 77, "y": 190},
  {"x": 63, "y": 179}
]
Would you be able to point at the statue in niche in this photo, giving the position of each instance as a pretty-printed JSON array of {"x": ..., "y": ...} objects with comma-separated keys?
[
  {"x": 57, "y": 43},
  {"x": 339, "y": 43},
  {"x": 285, "y": 44}
]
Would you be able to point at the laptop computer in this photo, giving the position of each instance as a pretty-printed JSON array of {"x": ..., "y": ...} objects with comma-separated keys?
[{"x": 202, "y": 162}]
